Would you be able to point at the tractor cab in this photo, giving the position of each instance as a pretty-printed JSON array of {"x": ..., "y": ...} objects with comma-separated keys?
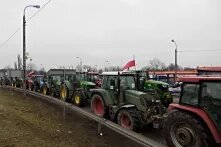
[
  {"x": 203, "y": 93},
  {"x": 117, "y": 83},
  {"x": 115, "y": 80}
]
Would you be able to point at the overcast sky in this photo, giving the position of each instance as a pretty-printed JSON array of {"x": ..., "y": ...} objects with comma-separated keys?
[{"x": 114, "y": 30}]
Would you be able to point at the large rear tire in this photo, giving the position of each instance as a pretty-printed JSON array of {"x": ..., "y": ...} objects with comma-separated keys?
[
  {"x": 183, "y": 129},
  {"x": 128, "y": 118},
  {"x": 63, "y": 92},
  {"x": 97, "y": 105},
  {"x": 79, "y": 99}
]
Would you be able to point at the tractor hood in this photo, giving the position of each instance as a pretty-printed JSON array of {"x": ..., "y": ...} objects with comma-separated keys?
[
  {"x": 87, "y": 83},
  {"x": 141, "y": 95},
  {"x": 157, "y": 82}
]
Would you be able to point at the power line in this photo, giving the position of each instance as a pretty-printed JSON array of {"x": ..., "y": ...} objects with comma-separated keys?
[
  {"x": 3, "y": 44},
  {"x": 38, "y": 11},
  {"x": 183, "y": 51},
  {"x": 6, "y": 41}
]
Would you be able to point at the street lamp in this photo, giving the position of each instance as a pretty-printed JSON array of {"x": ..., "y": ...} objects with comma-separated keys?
[
  {"x": 175, "y": 76},
  {"x": 24, "y": 47},
  {"x": 80, "y": 63}
]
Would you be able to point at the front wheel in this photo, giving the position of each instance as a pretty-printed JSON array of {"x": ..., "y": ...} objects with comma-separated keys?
[
  {"x": 183, "y": 129},
  {"x": 128, "y": 118},
  {"x": 78, "y": 98},
  {"x": 97, "y": 105},
  {"x": 63, "y": 92}
]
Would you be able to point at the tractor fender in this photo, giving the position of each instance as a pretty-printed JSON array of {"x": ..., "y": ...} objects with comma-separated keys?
[
  {"x": 108, "y": 100},
  {"x": 202, "y": 115}
]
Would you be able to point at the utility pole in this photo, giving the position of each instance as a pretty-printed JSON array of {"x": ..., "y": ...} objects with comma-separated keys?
[{"x": 175, "y": 75}]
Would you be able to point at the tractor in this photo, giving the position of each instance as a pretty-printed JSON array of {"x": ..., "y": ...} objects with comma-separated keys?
[
  {"x": 160, "y": 89},
  {"x": 36, "y": 82},
  {"x": 17, "y": 82},
  {"x": 196, "y": 119},
  {"x": 81, "y": 92},
  {"x": 59, "y": 83},
  {"x": 119, "y": 100}
]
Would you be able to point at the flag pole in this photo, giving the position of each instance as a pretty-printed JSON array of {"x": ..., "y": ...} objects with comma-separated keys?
[{"x": 134, "y": 62}]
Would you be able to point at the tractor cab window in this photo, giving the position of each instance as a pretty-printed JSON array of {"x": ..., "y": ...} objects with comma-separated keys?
[
  {"x": 109, "y": 82},
  {"x": 56, "y": 78},
  {"x": 70, "y": 77},
  {"x": 211, "y": 93},
  {"x": 127, "y": 82},
  {"x": 190, "y": 94}
]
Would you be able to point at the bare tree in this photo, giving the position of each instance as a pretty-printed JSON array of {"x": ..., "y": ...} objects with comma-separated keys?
[
  {"x": 78, "y": 67},
  {"x": 31, "y": 66},
  {"x": 156, "y": 64},
  {"x": 8, "y": 67},
  {"x": 87, "y": 68}
]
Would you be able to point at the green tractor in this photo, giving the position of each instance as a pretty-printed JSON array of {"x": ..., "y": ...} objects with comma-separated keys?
[
  {"x": 81, "y": 93},
  {"x": 59, "y": 83},
  {"x": 159, "y": 88},
  {"x": 119, "y": 100}
]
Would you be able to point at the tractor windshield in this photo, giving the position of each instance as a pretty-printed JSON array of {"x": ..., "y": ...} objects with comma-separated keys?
[
  {"x": 57, "y": 78},
  {"x": 127, "y": 82}
]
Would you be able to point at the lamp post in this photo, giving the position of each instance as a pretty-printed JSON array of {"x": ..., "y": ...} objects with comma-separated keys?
[
  {"x": 175, "y": 76},
  {"x": 80, "y": 63},
  {"x": 24, "y": 47}
]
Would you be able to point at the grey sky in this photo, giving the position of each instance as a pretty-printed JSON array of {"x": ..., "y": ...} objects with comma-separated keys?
[{"x": 114, "y": 30}]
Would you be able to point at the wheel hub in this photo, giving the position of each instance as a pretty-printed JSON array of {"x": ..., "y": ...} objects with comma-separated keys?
[
  {"x": 184, "y": 135},
  {"x": 125, "y": 121},
  {"x": 63, "y": 93},
  {"x": 44, "y": 91},
  {"x": 77, "y": 99}
]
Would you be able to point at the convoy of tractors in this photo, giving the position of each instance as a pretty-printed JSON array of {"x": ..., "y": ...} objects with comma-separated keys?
[{"x": 133, "y": 101}]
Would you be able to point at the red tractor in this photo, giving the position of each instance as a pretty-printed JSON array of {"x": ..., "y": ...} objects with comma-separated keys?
[{"x": 196, "y": 120}]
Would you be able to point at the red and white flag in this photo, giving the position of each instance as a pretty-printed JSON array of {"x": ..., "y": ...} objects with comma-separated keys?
[
  {"x": 129, "y": 64},
  {"x": 30, "y": 74}
]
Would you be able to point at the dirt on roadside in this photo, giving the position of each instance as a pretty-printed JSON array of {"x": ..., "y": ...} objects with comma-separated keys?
[{"x": 28, "y": 121}]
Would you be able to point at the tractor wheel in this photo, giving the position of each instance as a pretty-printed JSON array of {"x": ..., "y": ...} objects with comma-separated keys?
[
  {"x": 78, "y": 98},
  {"x": 128, "y": 118},
  {"x": 97, "y": 105},
  {"x": 45, "y": 90},
  {"x": 183, "y": 129},
  {"x": 63, "y": 92}
]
